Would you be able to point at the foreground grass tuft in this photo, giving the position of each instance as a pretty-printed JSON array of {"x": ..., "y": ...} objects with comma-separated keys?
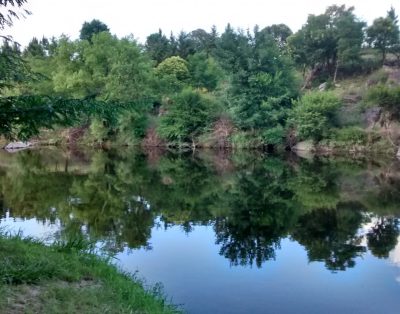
[{"x": 64, "y": 278}]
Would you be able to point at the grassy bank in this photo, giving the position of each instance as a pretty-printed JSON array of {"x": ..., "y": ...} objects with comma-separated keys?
[{"x": 61, "y": 278}]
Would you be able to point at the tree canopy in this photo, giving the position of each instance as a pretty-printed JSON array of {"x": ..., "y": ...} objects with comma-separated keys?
[{"x": 91, "y": 28}]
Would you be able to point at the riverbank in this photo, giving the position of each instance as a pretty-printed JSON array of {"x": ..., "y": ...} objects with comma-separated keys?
[{"x": 62, "y": 278}]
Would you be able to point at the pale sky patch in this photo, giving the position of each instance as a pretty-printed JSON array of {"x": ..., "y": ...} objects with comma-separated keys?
[{"x": 141, "y": 18}]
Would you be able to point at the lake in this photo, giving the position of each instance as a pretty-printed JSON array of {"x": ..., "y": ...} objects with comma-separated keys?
[{"x": 222, "y": 232}]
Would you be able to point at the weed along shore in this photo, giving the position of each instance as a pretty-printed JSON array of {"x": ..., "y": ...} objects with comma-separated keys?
[{"x": 65, "y": 278}]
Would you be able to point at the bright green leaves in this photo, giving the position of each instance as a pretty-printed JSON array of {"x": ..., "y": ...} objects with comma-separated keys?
[
  {"x": 314, "y": 115},
  {"x": 187, "y": 116}
]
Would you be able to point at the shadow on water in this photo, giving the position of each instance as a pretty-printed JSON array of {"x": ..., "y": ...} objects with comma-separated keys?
[{"x": 252, "y": 201}]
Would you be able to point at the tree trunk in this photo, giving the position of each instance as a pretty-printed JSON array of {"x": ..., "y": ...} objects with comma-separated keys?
[
  {"x": 310, "y": 77},
  {"x": 336, "y": 70},
  {"x": 383, "y": 57}
]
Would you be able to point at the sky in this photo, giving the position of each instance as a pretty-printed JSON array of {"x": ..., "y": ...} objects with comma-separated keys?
[{"x": 143, "y": 17}]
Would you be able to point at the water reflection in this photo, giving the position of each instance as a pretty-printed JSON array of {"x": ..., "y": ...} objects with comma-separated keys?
[{"x": 251, "y": 201}]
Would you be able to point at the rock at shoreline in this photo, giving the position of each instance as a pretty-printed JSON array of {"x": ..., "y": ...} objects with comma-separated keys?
[
  {"x": 398, "y": 153},
  {"x": 306, "y": 146},
  {"x": 323, "y": 87},
  {"x": 16, "y": 146},
  {"x": 372, "y": 116}
]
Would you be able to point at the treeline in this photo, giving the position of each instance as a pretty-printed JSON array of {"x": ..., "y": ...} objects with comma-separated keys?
[{"x": 237, "y": 89}]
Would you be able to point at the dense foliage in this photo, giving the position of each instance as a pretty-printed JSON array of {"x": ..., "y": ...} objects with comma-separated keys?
[{"x": 197, "y": 88}]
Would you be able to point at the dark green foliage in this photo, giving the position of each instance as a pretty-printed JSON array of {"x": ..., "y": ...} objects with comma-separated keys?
[
  {"x": 203, "y": 41},
  {"x": 13, "y": 69},
  {"x": 382, "y": 239},
  {"x": 158, "y": 47},
  {"x": 330, "y": 236},
  {"x": 185, "y": 45},
  {"x": 22, "y": 117},
  {"x": 314, "y": 115},
  {"x": 7, "y": 14},
  {"x": 261, "y": 77},
  {"x": 328, "y": 41},
  {"x": 384, "y": 33},
  {"x": 279, "y": 32},
  {"x": 91, "y": 28},
  {"x": 204, "y": 71},
  {"x": 34, "y": 49}
]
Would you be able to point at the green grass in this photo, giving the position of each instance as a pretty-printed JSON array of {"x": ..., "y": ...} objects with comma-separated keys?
[{"x": 65, "y": 278}]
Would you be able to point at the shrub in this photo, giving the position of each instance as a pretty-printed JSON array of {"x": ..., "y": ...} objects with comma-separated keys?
[
  {"x": 244, "y": 139},
  {"x": 274, "y": 136},
  {"x": 187, "y": 116},
  {"x": 353, "y": 135},
  {"x": 386, "y": 97},
  {"x": 378, "y": 77},
  {"x": 314, "y": 115}
]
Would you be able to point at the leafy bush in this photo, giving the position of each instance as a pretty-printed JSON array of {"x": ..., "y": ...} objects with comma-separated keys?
[
  {"x": 274, "y": 136},
  {"x": 386, "y": 97},
  {"x": 187, "y": 116},
  {"x": 174, "y": 66},
  {"x": 243, "y": 139},
  {"x": 378, "y": 77},
  {"x": 314, "y": 115},
  {"x": 354, "y": 135}
]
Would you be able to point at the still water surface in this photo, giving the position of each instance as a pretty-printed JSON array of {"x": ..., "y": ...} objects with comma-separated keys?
[{"x": 223, "y": 233}]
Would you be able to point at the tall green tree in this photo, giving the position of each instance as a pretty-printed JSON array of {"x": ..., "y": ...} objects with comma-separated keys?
[
  {"x": 262, "y": 81},
  {"x": 204, "y": 71},
  {"x": 159, "y": 47},
  {"x": 12, "y": 68},
  {"x": 383, "y": 34},
  {"x": 279, "y": 32},
  {"x": 91, "y": 28},
  {"x": 328, "y": 41},
  {"x": 108, "y": 69}
]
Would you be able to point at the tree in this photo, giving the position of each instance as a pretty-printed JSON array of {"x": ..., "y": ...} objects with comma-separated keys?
[
  {"x": 262, "y": 81},
  {"x": 34, "y": 49},
  {"x": 203, "y": 41},
  {"x": 331, "y": 236},
  {"x": 186, "y": 45},
  {"x": 382, "y": 238},
  {"x": 383, "y": 34},
  {"x": 172, "y": 74},
  {"x": 327, "y": 41},
  {"x": 279, "y": 32},
  {"x": 90, "y": 28},
  {"x": 7, "y": 15},
  {"x": 108, "y": 68},
  {"x": 158, "y": 46},
  {"x": 204, "y": 71},
  {"x": 12, "y": 67}
]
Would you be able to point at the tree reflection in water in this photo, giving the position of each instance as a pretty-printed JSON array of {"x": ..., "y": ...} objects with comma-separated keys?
[{"x": 252, "y": 201}]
